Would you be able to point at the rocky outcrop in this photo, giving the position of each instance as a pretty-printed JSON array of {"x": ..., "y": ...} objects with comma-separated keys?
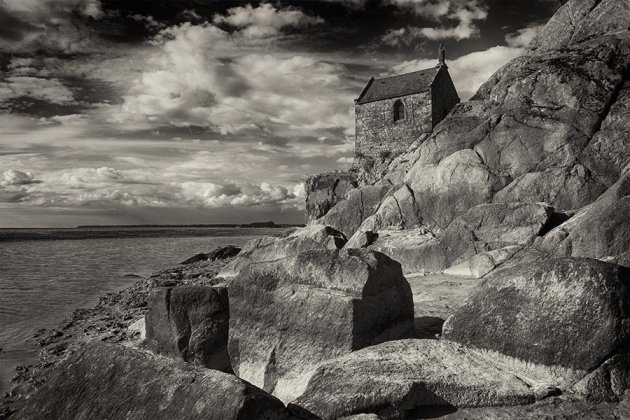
[
  {"x": 397, "y": 377},
  {"x": 287, "y": 316},
  {"x": 547, "y": 127},
  {"x": 555, "y": 320},
  {"x": 190, "y": 323},
  {"x": 361, "y": 203},
  {"x": 489, "y": 227},
  {"x": 446, "y": 191},
  {"x": 482, "y": 229},
  {"x": 323, "y": 191},
  {"x": 312, "y": 237},
  {"x": 608, "y": 382},
  {"x": 220, "y": 253},
  {"x": 417, "y": 250},
  {"x": 481, "y": 264},
  {"x": 608, "y": 152},
  {"x": 579, "y": 21},
  {"x": 109, "y": 381},
  {"x": 600, "y": 230},
  {"x": 362, "y": 239}
]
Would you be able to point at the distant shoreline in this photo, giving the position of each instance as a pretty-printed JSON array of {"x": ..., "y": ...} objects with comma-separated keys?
[
  {"x": 132, "y": 231},
  {"x": 158, "y": 226},
  {"x": 210, "y": 225}
]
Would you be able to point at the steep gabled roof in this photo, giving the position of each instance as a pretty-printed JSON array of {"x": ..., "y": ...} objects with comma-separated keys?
[{"x": 395, "y": 86}]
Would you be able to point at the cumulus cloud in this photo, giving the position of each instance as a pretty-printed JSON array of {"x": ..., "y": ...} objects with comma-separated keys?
[
  {"x": 81, "y": 187},
  {"x": 265, "y": 20},
  {"x": 235, "y": 194},
  {"x": 192, "y": 82},
  {"x": 40, "y": 9},
  {"x": 456, "y": 19},
  {"x": 50, "y": 90},
  {"x": 15, "y": 177},
  {"x": 48, "y": 25},
  {"x": 523, "y": 37},
  {"x": 148, "y": 21},
  {"x": 89, "y": 177},
  {"x": 468, "y": 71},
  {"x": 14, "y": 184}
]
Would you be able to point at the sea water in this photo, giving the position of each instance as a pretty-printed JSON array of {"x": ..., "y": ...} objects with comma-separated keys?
[{"x": 43, "y": 280}]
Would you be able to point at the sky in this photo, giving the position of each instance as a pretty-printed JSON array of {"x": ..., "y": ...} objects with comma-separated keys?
[{"x": 199, "y": 111}]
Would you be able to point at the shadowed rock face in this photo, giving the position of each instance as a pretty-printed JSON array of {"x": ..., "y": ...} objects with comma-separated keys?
[
  {"x": 325, "y": 190},
  {"x": 220, "y": 253},
  {"x": 190, "y": 323},
  {"x": 483, "y": 228},
  {"x": 114, "y": 382},
  {"x": 490, "y": 227},
  {"x": 399, "y": 376},
  {"x": 287, "y": 316},
  {"x": 600, "y": 230},
  {"x": 609, "y": 149},
  {"x": 608, "y": 382},
  {"x": 348, "y": 214},
  {"x": 567, "y": 314}
]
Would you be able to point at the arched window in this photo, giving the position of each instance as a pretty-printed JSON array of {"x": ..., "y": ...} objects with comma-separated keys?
[{"x": 399, "y": 110}]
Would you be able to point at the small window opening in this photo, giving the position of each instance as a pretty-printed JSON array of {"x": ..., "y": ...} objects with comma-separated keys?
[{"x": 399, "y": 110}]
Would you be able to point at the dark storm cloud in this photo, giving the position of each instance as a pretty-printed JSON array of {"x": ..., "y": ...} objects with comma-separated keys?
[{"x": 12, "y": 28}]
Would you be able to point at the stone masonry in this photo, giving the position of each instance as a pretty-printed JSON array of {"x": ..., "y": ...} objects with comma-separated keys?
[{"x": 392, "y": 112}]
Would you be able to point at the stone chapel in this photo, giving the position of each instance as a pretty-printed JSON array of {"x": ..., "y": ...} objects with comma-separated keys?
[{"x": 392, "y": 112}]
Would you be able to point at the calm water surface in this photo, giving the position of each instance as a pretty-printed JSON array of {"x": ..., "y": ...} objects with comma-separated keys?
[{"x": 43, "y": 281}]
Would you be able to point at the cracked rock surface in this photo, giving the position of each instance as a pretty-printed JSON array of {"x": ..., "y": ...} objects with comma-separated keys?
[{"x": 289, "y": 315}]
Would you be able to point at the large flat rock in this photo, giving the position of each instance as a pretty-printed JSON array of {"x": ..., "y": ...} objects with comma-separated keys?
[
  {"x": 311, "y": 237},
  {"x": 553, "y": 320},
  {"x": 439, "y": 295},
  {"x": 417, "y": 250},
  {"x": 288, "y": 316},
  {"x": 113, "y": 382},
  {"x": 399, "y": 376}
]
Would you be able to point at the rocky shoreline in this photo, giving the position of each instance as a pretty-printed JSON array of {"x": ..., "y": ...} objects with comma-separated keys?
[
  {"x": 109, "y": 321},
  {"x": 112, "y": 321},
  {"x": 482, "y": 274}
]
